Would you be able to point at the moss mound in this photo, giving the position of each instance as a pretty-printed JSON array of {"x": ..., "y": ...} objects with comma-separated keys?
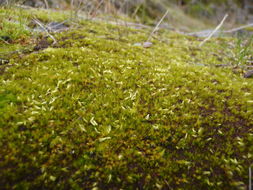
[{"x": 96, "y": 112}]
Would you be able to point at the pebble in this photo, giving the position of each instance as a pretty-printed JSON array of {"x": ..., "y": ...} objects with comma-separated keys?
[
  {"x": 145, "y": 44},
  {"x": 248, "y": 74}
]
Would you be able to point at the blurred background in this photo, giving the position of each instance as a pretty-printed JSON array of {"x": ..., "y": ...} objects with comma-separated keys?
[{"x": 149, "y": 11}]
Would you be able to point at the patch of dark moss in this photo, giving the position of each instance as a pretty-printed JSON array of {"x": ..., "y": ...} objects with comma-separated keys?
[{"x": 42, "y": 43}]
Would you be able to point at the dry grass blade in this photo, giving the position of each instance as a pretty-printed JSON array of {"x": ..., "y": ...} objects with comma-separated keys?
[
  {"x": 4, "y": 41},
  {"x": 214, "y": 31},
  {"x": 239, "y": 28},
  {"x": 157, "y": 26}
]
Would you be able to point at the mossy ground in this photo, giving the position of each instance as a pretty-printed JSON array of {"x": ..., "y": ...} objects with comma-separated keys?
[{"x": 95, "y": 112}]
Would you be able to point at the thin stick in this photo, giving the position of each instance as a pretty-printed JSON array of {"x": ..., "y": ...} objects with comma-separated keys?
[
  {"x": 4, "y": 41},
  {"x": 136, "y": 11},
  {"x": 214, "y": 31},
  {"x": 46, "y": 3},
  {"x": 239, "y": 28},
  {"x": 44, "y": 28},
  {"x": 157, "y": 26}
]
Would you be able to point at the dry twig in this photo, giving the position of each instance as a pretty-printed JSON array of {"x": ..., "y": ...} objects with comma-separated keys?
[
  {"x": 214, "y": 31},
  {"x": 239, "y": 28},
  {"x": 44, "y": 28},
  {"x": 157, "y": 26}
]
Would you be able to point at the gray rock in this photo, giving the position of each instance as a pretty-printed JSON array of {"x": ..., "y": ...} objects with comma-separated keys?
[
  {"x": 147, "y": 44},
  {"x": 138, "y": 44},
  {"x": 248, "y": 74},
  {"x": 144, "y": 44}
]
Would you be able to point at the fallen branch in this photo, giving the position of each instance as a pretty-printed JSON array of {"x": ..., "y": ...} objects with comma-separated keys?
[
  {"x": 214, "y": 31},
  {"x": 45, "y": 29}
]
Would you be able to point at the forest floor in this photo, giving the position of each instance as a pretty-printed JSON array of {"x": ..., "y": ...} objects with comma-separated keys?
[{"x": 93, "y": 106}]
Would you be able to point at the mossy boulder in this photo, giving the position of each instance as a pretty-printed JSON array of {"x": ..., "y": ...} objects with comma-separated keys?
[{"x": 93, "y": 111}]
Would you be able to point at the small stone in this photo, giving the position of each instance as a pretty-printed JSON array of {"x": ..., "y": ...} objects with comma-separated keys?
[
  {"x": 137, "y": 44},
  {"x": 147, "y": 44},
  {"x": 248, "y": 74}
]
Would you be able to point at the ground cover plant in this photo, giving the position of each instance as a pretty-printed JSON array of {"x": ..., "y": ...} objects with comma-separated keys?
[{"x": 95, "y": 111}]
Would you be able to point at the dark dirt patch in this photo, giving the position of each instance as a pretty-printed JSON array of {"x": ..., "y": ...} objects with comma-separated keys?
[
  {"x": 6, "y": 38},
  {"x": 92, "y": 31},
  {"x": 248, "y": 74},
  {"x": 3, "y": 61},
  {"x": 42, "y": 43}
]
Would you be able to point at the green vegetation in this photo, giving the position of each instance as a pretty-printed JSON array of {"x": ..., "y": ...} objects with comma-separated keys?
[
  {"x": 93, "y": 111},
  {"x": 243, "y": 51}
]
